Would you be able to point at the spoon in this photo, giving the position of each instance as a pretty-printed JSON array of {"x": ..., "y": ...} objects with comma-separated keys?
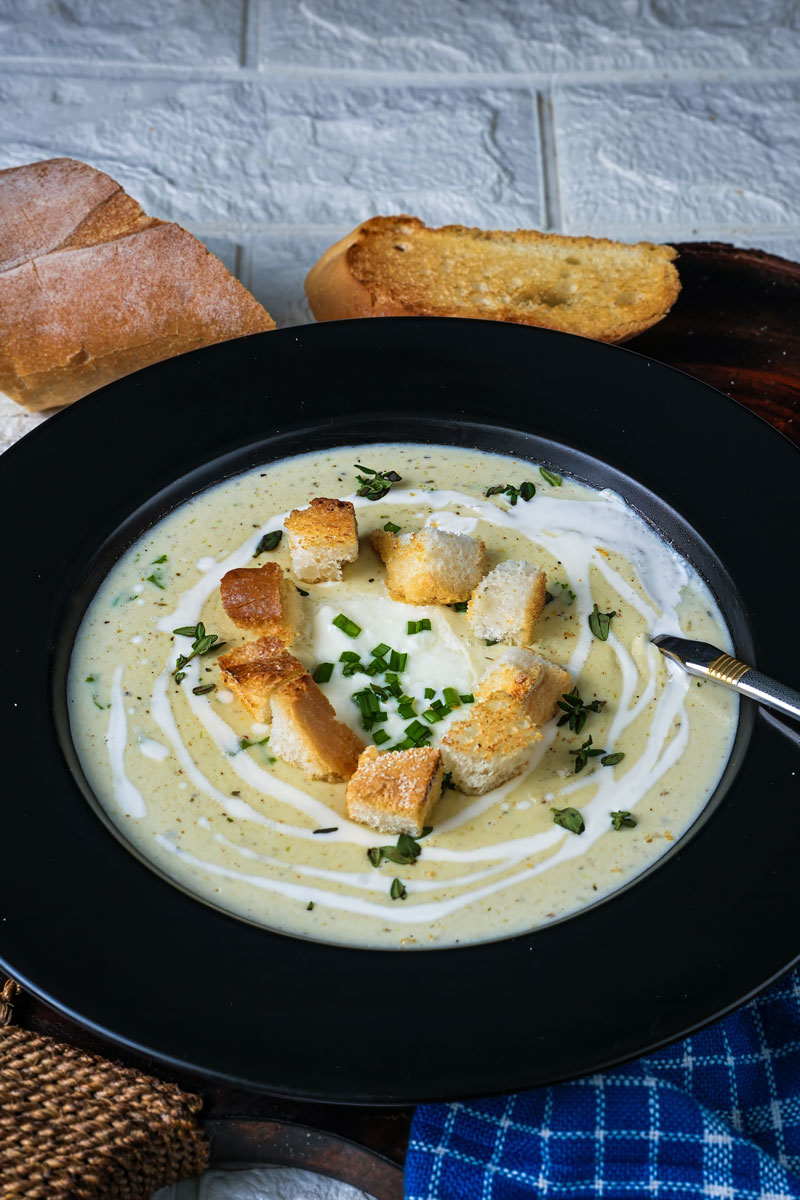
[{"x": 698, "y": 658}]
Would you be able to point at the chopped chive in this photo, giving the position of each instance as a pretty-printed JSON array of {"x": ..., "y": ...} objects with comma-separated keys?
[
  {"x": 431, "y": 716},
  {"x": 416, "y": 731},
  {"x": 406, "y": 744},
  {"x": 323, "y": 673},
  {"x": 406, "y": 711},
  {"x": 462, "y": 606},
  {"x": 203, "y": 688},
  {"x": 379, "y": 691},
  {"x": 467, "y": 698},
  {"x": 349, "y": 656},
  {"x": 380, "y": 736},
  {"x": 347, "y": 626},
  {"x": 389, "y": 527},
  {"x": 352, "y": 668},
  {"x": 451, "y": 697},
  {"x": 550, "y": 477},
  {"x": 380, "y": 650},
  {"x": 397, "y": 662},
  {"x": 268, "y": 542},
  {"x": 439, "y": 706},
  {"x": 429, "y": 693},
  {"x": 412, "y": 627}
]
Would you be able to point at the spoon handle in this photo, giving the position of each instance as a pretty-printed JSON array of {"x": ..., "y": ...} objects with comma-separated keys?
[{"x": 708, "y": 662}]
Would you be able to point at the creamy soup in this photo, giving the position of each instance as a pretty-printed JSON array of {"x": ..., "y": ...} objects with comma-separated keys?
[{"x": 190, "y": 780}]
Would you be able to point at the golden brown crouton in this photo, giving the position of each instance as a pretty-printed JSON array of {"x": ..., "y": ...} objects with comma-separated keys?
[
  {"x": 506, "y": 605},
  {"x": 490, "y": 745},
  {"x": 430, "y": 566},
  {"x": 322, "y": 538},
  {"x": 395, "y": 793},
  {"x": 262, "y": 600},
  {"x": 256, "y": 670},
  {"x": 307, "y": 735},
  {"x": 536, "y": 682}
]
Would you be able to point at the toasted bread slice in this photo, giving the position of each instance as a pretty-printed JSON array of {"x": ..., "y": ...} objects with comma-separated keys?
[
  {"x": 490, "y": 745},
  {"x": 322, "y": 538},
  {"x": 506, "y": 605},
  {"x": 536, "y": 682},
  {"x": 395, "y": 793},
  {"x": 398, "y": 267},
  {"x": 431, "y": 566},
  {"x": 307, "y": 735},
  {"x": 262, "y": 600},
  {"x": 256, "y": 670}
]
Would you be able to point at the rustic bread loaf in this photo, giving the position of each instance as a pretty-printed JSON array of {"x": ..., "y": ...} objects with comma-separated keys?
[
  {"x": 398, "y": 267},
  {"x": 91, "y": 288}
]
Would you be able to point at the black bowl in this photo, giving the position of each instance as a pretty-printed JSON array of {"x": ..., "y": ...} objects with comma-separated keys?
[{"x": 94, "y": 931}]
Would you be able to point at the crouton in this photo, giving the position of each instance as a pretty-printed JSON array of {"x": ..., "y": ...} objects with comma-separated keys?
[
  {"x": 306, "y": 734},
  {"x": 490, "y": 745},
  {"x": 262, "y": 600},
  {"x": 256, "y": 670},
  {"x": 431, "y": 566},
  {"x": 395, "y": 793},
  {"x": 536, "y": 682},
  {"x": 506, "y": 605},
  {"x": 322, "y": 538}
]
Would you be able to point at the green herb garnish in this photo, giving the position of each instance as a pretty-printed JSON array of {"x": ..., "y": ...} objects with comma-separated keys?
[
  {"x": 451, "y": 698},
  {"x": 390, "y": 527},
  {"x": 600, "y": 623},
  {"x": 301, "y": 592},
  {"x": 461, "y": 606},
  {"x": 611, "y": 760},
  {"x": 202, "y": 644},
  {"x": 568, "y": 818},
  {"x": 90, "y": 678},
  {"x": 376, "y": 487},
  {"x": 380, "y": 650},
  {"x": 467, "y": 698},
  {"x": 586, "y": 752},
  {"x": 550, "y": 477},
  {"x": 575, "y": 711},
  {"x": 310, "y": 906},
  {"x": 418, "y": 626},
  {"x": 156, "y": 580},
  {"x": 622, "y": 820},
  {"x": 160, "y": 559},
  {"x": 269, "y": 541},
  {"x": 447, "y": 781},
  {"x": 526, "y": 491},
  {"x": 330, "y": 829},
  {"x": 347, "y": 626},
  {"x": 203, "y": 689},
  {"x": 246, "y": 743},
  {"x": 380, "y": 736},
  {"x": 566, "y": 591},
  {"x": 323, "y": 673},
  {"x": 397, "y": 891}
]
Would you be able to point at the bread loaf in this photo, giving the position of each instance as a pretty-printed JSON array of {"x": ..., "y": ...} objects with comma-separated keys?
[
  {"x": 398, "y": 267},
  {"x": 91, "y": 288}
]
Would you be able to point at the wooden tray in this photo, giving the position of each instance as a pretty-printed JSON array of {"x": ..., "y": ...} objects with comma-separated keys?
[{"x": 734, "y": 326}]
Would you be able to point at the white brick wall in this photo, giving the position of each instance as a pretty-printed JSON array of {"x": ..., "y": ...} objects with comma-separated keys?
[{"x": 271, "y": 127}]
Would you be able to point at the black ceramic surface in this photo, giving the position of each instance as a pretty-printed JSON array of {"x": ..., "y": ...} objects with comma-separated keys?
[{"x": 95, "y": 932}]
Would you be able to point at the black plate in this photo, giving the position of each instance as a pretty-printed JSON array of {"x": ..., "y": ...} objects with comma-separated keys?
[{"x": 90, "y": 929}]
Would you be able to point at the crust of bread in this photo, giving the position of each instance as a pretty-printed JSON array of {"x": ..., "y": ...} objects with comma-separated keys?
[
  {"x": 430, "y": 566},
  {"x": 307, "y": 735},
  {"x": 91, "y": 288},
  {"x": 322, "y": 538},
  {"x": 534, "y": 681},
  {"x": 490, "y": 745},
  {"x": 508, "y": 602},
  {"x": 397, "y": 266},
  {"x": 255, "y": 671},
  {"x": 261, "y": 600},
  {"x": 395, "y": 793}
]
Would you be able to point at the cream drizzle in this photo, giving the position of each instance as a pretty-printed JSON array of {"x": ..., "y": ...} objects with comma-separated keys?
[{"x": 573, "y": 528}]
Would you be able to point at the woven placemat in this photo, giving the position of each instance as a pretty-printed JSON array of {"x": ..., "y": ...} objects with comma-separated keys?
[{"x": 74, "y": 1126}]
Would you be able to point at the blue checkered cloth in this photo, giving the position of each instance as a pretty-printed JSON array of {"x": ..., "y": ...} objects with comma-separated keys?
[{"x": 717, "y": 1115}]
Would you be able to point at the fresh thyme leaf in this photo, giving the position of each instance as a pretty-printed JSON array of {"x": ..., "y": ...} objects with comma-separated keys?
[
  {"x": 187, "y": 631},
  {"x": 586, "y": 752},
  {"x": 301, "y": 592},
  {"x": 550, "y": 477},
  {"x": 90, "y": 678},
  {"x": 156, "y": 581},
  {"x": 622, "y": 820},
  {"x": 375, "y": 856},
  {"x": 310, "y": 906},
  {"x": 611, "y": 760},
  {"x": 376, "y": 487},
  {"x": 160, "y": 559},
  {"x": 202, "y": 644},
  {"x": 330, "y": 829},
  {"x": 575, "y": 711},
  {"x": 203, "y": 689},
  {"x": 497, "y": 489},
  {"x": 246, "y": 743},
  {"x": 566, "y": 591},
  {"x": 268, "y": 542},
  {"x": 568, "y": 818},
  {"x": 527, "y": 490},
  {"x": 397, "y": 891},
  {"x": 600, "y": 623},
  {"x": 548, "y": 597},
  {"x": 179, "y": 675}
]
